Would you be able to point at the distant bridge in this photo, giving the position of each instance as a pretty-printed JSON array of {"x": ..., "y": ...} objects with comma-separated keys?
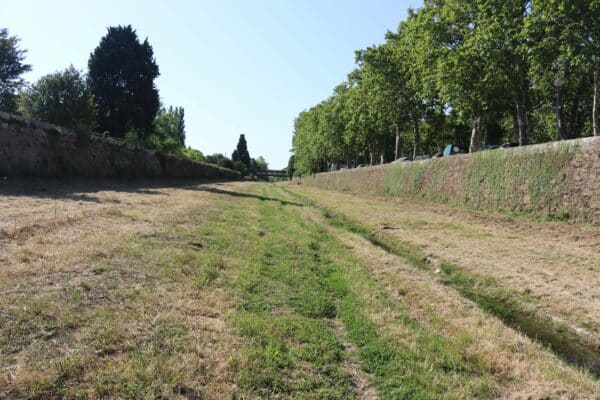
[{"x": 272, "y": 172}]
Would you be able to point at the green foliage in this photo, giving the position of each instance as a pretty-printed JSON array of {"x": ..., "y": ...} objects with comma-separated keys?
[
  {"x": 11, "y": 69},
  {"x": 168, "y": 135},
  {"x": 193, "y": 154},
  {"x": 166, "y": 131},
  {"x": 220, "y": 160},
  {"x": 121, "y": 77},
  {"x": 407, "y": 179},
  {"x": 54, "y": 132},
  {"x": 133, "y": 137},
  {"x": 260, "y": 164},
  {"x": 528, "y": 181},
  {"x": 241, "y": 153},
  {"x": 468, "y": 73},
  {"x": 62, "y": 98},
  {"x": 499, "y": 179},
  {"x": 291, "y": 167},
  {"x": 240, "y": 167}
]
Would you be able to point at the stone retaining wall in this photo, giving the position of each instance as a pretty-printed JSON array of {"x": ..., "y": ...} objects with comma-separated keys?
[
  {"x": 558, "y": 179},
  {"x": 30, "y": 148}
]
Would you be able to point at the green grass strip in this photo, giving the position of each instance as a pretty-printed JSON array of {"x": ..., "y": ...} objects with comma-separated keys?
[
  {"x": 486, "y": 292},
  {"x": 290, "y": 281}
]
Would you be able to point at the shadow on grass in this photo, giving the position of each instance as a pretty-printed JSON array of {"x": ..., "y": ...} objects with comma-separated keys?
[
  {"x": 243, "y": 194},
  {"x": 84, "y": 190}
]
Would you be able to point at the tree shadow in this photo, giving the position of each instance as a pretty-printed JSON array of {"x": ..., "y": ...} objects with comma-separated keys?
[
  {"x": 244, "y": 195},
  {"x": 84, "y": 190}
]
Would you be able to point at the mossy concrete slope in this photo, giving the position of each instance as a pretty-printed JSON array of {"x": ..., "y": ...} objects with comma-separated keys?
[{"x": 556, "y": 180}]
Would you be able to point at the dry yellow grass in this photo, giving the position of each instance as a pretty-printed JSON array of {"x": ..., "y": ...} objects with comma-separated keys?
[
  {"x": 100, "y": 294},
  {"x": 88, "y": 292},
  {"x": 556, "y": 264},
  {"x": 521, "y": 368}
]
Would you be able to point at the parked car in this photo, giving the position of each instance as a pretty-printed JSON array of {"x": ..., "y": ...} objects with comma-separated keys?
[
  {"x": 337, "y": 167},
  {"x": 401, "y": 159},
  {"x": 423, "y": 157},
  {"x": 489, "y": 147},
  {"x": 451, "y": 150},
  {"x": 361, "y": 166},
  {"x": 509, "y": 144}
]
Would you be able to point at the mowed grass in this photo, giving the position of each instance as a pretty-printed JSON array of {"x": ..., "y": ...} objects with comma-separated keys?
[
  {"x": 293, "y": 280},
  {"x": 240, "y": 297},
  {"x": 128, "y": 323},
  {"x": 514, "y": 309},
  {"x": 248, "y": 295}
]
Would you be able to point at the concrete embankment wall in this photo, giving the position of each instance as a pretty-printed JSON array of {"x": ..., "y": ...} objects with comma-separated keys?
[
  {"x": 559, "y": 179},
  {"x": 30, "y": 148}
]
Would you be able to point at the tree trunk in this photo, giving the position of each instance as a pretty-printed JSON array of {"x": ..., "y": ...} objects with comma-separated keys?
[
  {"x": 523, "y": 124},
  {"x": 397, "y": 148},
  {"x": 417, "y": 141},
  {"x": 475, "y": 144},
  {"x": 382, "y": 151},
  {"x": 522, "y": 103},
  {"x": 595, "y": 106},
  {"x": 370, "y": 157},
  {"x": 574, "y": 128},
  {"x": 559, "y": 117}
]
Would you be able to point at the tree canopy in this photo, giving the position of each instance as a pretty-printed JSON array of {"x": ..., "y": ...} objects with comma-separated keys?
[
  {"x": 168, "y": 134},
  {"x": 121, "y": 75},
  {"x": 118, "y": 94},
  {"x": 11, "y": 69},
  {"x": 260, "y": 164},
  {"x": 241, "y": 153},
  {"x": 474, "y": 73},
  {"x": 62, "y": 98}
]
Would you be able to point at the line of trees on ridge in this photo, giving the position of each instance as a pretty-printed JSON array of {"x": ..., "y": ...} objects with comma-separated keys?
[
  {"x": 117, "y": 96},
  {"x": 470, "y": 73}
]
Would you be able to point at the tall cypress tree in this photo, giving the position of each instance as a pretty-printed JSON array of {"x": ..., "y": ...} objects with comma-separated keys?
[
  {"x": 121, "y": 76},
  {"x": 242, "y": 152}
]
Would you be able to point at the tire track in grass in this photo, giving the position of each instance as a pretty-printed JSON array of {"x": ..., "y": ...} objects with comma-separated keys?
[
  {"x": 281, "y": 312},
  {"x": 404, "y": 360},
  {"x": 483, "y": 291}
]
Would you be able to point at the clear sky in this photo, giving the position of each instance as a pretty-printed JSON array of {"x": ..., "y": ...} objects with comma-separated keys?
[{"x": 235, "y": 66}]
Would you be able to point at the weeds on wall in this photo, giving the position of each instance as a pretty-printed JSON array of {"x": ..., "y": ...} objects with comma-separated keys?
[
  {"x": 522, "y": 181},
  {"x": 407, "y": 180},
  {"x": 508, "y": 180}
]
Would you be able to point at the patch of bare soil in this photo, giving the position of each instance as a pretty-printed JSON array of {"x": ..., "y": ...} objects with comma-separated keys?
[{"x": 362, "y": 388}]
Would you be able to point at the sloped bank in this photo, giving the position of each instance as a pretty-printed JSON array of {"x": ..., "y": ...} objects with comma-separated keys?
[
  {"x": 558, "y": 180},
  {"x": 30, "y": 148}
]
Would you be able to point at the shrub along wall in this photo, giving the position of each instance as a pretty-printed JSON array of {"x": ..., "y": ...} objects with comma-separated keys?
[
  {"x": 559, "y": 179},
  {"x": 30, "y": 148}
]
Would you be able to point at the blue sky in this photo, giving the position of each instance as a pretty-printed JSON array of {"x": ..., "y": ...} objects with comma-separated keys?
[{"x": 235, "y": 66}]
